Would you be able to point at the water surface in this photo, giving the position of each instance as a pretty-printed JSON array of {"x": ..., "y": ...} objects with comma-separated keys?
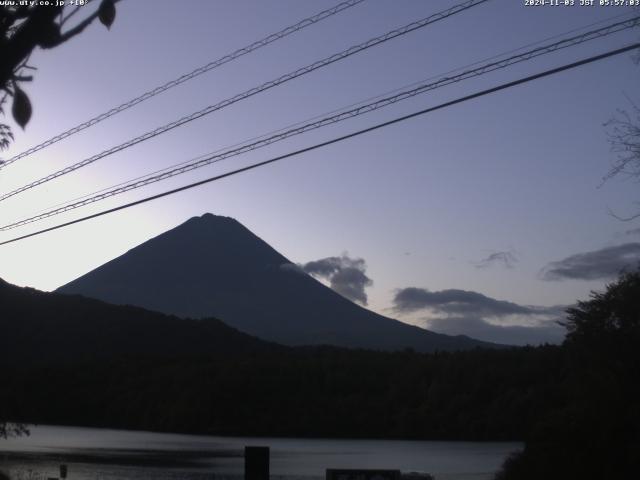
[{"x": 101, "y": 454}]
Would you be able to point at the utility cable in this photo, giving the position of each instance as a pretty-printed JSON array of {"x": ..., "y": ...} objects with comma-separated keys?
[
  {"x": 253, "y": 91},
  {"x": 186, "y": 77},
  {"x": 351, "y": 105},
  {"x": 472, "y": 96},
  {"x": 218, "y": 156}
]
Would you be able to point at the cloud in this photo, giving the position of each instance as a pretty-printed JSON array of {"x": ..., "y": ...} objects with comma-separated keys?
[
  {"x": 634, "y": 231},
  {"x": 547, "y": 331},
  {"x": 504, "y": 259},
  {"x": 345, "y": 275},
  {"x": 462, "y": 312},
  {"x": 599, "y": 264},
  {"x": 454, "y": 302}
]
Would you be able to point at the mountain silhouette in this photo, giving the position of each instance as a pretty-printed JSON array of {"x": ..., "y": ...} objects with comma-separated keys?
[
  {"x": 41, "y": 327},
  {"x": 212, "y": 266}
]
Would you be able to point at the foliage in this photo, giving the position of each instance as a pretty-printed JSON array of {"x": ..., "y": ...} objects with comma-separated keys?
[
  {"x": 6, "y": 136},
  {"x": 82, "y": 362},
  {"x": 73, "y": 360},
  {"x": 311, "y": 392},
  {"x": 23, "y": 28},
  {"x": 596, "y": 435},
  {"x": 613, "y": 315}
]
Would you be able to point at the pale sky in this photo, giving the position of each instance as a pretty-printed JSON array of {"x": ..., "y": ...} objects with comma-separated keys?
[{"x": 510, "y": 178}]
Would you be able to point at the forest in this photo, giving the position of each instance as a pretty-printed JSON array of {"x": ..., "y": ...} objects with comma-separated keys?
[{"x": 575, "y": 405}]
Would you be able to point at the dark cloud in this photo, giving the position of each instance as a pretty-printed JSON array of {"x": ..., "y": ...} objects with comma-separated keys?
[
  {"x": 462, "y": 312},
  {"x": 544, "y": 332},
  {"x": 345, "y": 275},
  {"x": 558, "y": 312},
  {"x": 503, "y": 259},
  {"x": 635, "y": 231},
  {"x": 599, "y": 264},
  {"x": 454, "y": 302}
]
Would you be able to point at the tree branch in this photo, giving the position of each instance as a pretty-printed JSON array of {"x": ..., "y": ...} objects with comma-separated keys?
[
  {"x": 623, "y": 219},
  {"x": 24, "y": 41},
  {"x": 78, "y": 28},
  {"x": 71, "y": 14}
]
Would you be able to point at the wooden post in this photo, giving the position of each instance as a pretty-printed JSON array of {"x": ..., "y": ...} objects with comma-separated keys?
[{"x": 256, "y": 463}]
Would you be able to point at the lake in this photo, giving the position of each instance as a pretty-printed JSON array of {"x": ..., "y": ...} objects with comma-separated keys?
[{"x": 101, "y": 454}]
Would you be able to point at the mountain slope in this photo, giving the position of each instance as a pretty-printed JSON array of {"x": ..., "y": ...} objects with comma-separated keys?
[
  {"x": 69, "y": 360},
  {"x": 212, "y": 266},
  {"x": 39, "y": 327}
]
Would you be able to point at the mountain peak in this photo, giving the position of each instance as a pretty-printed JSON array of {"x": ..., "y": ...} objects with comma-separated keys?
[
  {"x": 213, "y": 266},
  {"x": 211, "y": 218}
]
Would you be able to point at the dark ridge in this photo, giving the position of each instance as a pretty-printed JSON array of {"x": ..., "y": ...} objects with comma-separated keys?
[
  {"x": 212, "y": 266},
  {"x": 38, "y": 327}
]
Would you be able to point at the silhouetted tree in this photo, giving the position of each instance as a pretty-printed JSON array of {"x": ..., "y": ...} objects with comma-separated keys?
[
  {"x": 614, "y": 314},
  {"x": 623, "y": 132},
  {"x": 624, "y": 137},
  {"x": 596, "y": 434},
  {"x": 25, "y": 27}
]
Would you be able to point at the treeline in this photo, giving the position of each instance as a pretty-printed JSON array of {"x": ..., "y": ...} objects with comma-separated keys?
[
  {"x": 595, "y": 434},
  {"x": 576, "y": 405},
  {"x": 326, "y": 392},
  {"x": 72, "y": 360}
]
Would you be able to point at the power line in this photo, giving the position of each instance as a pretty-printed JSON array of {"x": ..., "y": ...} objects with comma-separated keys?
[
  {"x": 354, "y": 104},
  {"x": 188, "y": 76},
  {"x": 253, "y": 91},
  {"x": 472, "y": 96},
  {"x": 215, "y": 157},
  {"x": 351, "y": 105}
]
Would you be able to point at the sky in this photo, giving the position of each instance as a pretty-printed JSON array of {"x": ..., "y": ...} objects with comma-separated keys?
[{"x": 485, "y": 218}]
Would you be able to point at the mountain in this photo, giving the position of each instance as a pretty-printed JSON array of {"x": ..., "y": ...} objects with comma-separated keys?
[
  {"x": 46, "y": 328},
  {"x": 212, "y": 266},
  {"x": 71, "y": 360}
]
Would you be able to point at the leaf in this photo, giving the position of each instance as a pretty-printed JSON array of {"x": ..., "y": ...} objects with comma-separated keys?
[
  {"x": 107, "y": 12},
  {"x": 21, "y": 108},
  {"x": 49, "y": 36}
]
